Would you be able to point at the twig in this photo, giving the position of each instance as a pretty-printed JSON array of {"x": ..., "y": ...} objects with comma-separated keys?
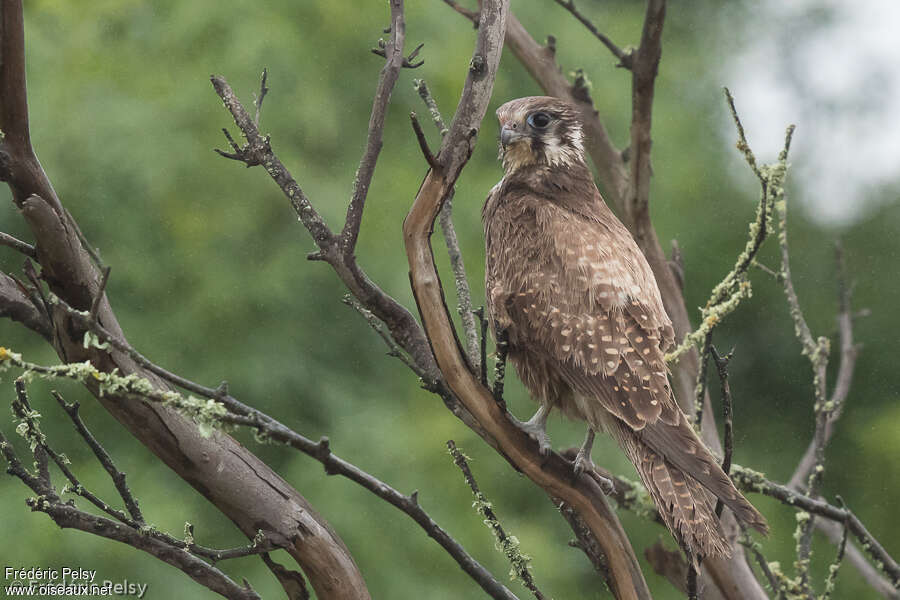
[
  {"x": 816, "y": 350},
  {"x": 848, "y": 356},
  {"x": 393, "y": 349},
  {"x": 386, "y": 81},
  {"x": 751, "y": 481},
  {"x": 16, "y": 244},
  {"x": 408, "y": 61},
  {"x": 103, "y": 456},
  {"x": 258, "y": 100},
  {"x": 98, "y": 297},
  {"x": 422, "y": 88},
  {"x": 270, "y": 428},
  {"x": 67, "y": 515},
  {"x": 763, "y": 565},
  {"x": 423, "y": 142},
  {"x": 735, "y": 286},
  {"x": 509, "y": 545},
  {"x": 403, "y": 327},
  {"x": 701, "y": 388},
  {"x": 836, "y": 564},
  {"x": 625, "y": 58},
  {"x": 728, "y": 436},
  {"x": 643, "y": 77},
  {"x": 472, "y": 15}
]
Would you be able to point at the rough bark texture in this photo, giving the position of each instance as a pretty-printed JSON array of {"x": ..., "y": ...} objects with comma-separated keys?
[{"x": 252, "y": 495}]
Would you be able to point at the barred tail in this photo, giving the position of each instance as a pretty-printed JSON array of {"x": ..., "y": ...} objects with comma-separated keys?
[{"x": 684, "y": 481}]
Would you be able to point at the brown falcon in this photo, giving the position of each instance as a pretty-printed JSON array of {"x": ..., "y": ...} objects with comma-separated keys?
[{"x": 585, "y": 324}]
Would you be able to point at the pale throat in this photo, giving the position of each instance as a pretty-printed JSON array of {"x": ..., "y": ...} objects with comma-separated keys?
[{"x": 554, "y": 152}]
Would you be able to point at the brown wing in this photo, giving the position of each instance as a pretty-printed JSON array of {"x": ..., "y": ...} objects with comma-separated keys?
[
  {"x": 572, "y": 287},
  {"x": 576, "y": 286}
]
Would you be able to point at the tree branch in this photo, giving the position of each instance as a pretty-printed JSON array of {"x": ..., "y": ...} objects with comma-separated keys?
[
  {"x": 508, "y": 545},
  {"x": 394, "y": 61},
  {"x": 553, "y": 474},
  {"x": 463, "y": 293},
  {"x": 253, "y": 492},
  {"x": 849, "y": 354},
  {"x": 625, "y": 58},
  {"x": 271, "y": 429},
  {"x": 752, "y": 481},
  {"x": 15, "y": 304},
  {"x": 67, "y": 515},
  {"x": 16, "y": 244}
]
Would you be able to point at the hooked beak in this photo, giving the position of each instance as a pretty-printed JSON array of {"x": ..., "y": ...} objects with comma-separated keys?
[{"x": 508, "y": 134}]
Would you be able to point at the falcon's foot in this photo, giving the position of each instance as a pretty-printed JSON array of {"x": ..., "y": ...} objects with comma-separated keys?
[
  {"x": 583, "y": 462},
  {"x": 536, "y": 428}
]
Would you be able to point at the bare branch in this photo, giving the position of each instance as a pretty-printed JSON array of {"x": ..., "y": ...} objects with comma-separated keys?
[
  {"x": 67, "y": 515},
  {"x": 393, "y": 349},
  {"x": 553, "y": 473},
  {"x": 816, "y": 350},
  {"x": 735, "y": 286},
  {"x": 258, "y": 101},
  {"x": 508, "y": 545},
  {"x": 103, "y": 456},
  {"x": 272, "y": 429},
  {"x": 849, "y": 353},
  {"x": 643, "y": 71},
  {"x": 728, "y": 437},
  {"x": 836, "y": 564},
  {"x": 394, "y": 61},
  {"x": 403, "y": 327},
  {"x": 17, "y": 244},
  {"x": 471, "y": 15},
  {"x": 423, "y": 142},
  {"x": 16, "y": 304},
  {"x": 752, "y": 481},
  {"x": 69, "y": 270},
  {"x": 625, "y": 58}
]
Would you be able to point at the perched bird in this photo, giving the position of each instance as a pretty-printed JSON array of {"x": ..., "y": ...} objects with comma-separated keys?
[{"x": 581, "y": 311}]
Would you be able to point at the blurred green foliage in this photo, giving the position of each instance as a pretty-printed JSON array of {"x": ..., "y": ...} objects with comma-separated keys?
[{"x": 209, "y": 276}]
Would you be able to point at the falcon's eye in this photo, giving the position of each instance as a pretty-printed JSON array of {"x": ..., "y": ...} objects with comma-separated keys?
[{"x": 539, "y": 120}]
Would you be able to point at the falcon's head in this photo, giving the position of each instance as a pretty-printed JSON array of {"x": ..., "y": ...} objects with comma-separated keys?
[{"x": 539, "y": 130}]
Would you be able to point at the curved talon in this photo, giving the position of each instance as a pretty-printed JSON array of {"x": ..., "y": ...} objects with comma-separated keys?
[
  {"x": 536, "y": 428},
  {"x": 606, "y": 484}
]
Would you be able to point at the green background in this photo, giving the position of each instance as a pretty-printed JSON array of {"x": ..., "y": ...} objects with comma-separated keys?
[{"x": 209, "y": 276}]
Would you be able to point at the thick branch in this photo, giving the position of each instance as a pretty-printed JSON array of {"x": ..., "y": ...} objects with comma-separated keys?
[
  {"x": 553, "y": 475},
  {"x": 253, "y": 493},
  {"x": 646, "y": 65},
  {"x": 463, "y": 293},
  {"x": 67, "y": 515}
]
